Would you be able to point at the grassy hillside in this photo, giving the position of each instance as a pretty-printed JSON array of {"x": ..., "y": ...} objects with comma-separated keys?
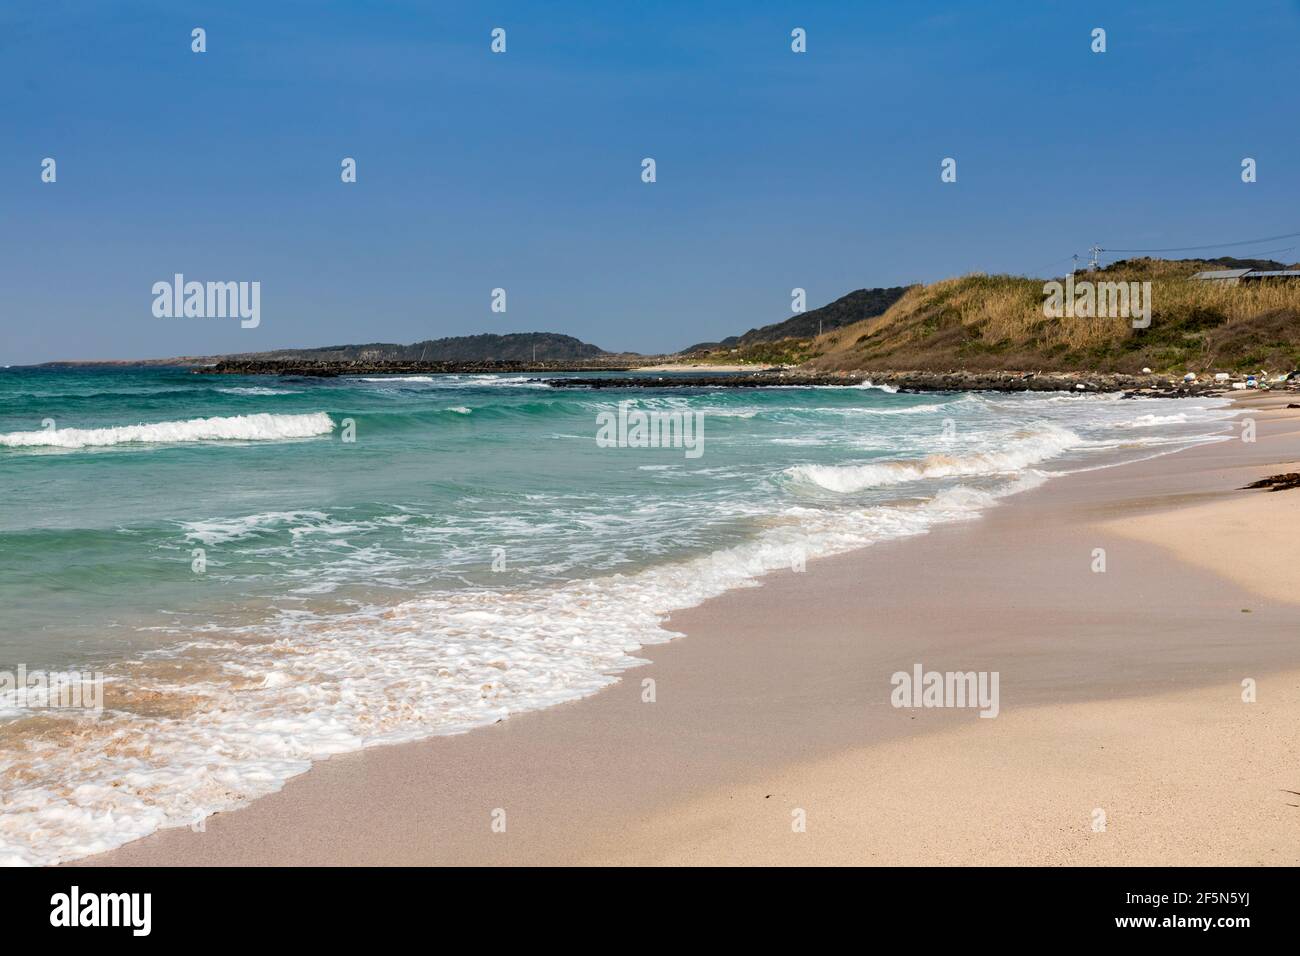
[
  {"x": 847, "y": 309},
  {"x": 982, "y": 322}
]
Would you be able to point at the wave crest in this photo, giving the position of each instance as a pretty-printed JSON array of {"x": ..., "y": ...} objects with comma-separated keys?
[
  {"x": 1029, "y": 450},
  {"x": 260, "y": 427}
]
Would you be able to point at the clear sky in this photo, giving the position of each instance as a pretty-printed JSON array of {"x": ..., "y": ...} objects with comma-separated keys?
[{"x": 522, "y": 170}]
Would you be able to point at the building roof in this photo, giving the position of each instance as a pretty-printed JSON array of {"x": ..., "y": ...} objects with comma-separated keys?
[{"x": 1222, "y": 274}]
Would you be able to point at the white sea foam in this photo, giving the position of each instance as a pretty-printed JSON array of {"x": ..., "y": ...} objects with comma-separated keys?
[
  {"x": 501, "y": 381},
  {"x": 258, "y": 390},
  {"x": 400, "y": 378},
  {"x": 1019, "y": 453},
  {"x": 861, "y": 386},
  {"x": 260, "y": 427},
  {"x": 220, "y": 530},
  {"x": 1150, "y": 421},
  {"x": 311, "y": 686},
  {"x": 264, "y": 700},
  {"x": 457, "y": 381},
  {"x": 905, "y": 410},
  {"x": 887, "y": 389}
]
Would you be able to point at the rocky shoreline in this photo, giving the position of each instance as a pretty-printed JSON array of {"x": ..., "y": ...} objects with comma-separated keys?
[
  {"x": 961, "y": 381},
  {"x": 904, "y": 381}
]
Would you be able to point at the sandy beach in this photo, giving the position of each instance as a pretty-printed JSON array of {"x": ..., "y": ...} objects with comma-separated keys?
[{"x": 1122, "y": 735}]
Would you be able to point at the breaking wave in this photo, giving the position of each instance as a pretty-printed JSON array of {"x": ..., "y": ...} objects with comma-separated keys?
[
  {"x": 1032, "y": 448},
  {"x": 260, "y": 427}
]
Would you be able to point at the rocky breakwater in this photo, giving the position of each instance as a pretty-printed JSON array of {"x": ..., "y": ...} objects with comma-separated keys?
[{"x": 914, "y": 381}]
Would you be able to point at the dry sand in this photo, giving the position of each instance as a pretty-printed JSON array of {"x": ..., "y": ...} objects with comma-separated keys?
[
  {"x": 1119, "y": 691},
  {"x": 1194, "y": 777}
]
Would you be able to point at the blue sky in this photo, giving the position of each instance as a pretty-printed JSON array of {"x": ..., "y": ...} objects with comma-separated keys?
[{"x": 522, "y": 170}]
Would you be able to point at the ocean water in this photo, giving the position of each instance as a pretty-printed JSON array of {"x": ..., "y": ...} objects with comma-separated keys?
[{"x": 259, "y": 593}]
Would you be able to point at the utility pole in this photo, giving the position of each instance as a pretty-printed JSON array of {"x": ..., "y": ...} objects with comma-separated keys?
[{"x": 1096, "y": 250}]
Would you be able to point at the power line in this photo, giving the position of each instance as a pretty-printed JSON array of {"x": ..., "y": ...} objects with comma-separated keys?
[
  {"x": 1056, "y": 262},
  {"x": 1269, "y": 252},
  {"x": 1217, "y": 245}
]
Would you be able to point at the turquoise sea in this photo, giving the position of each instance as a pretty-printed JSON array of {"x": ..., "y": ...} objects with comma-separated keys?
[{"x": 258, "y": 592}]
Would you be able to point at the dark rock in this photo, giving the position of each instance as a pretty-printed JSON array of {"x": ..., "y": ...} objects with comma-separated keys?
[
  {"x": 1133, "y": 386},
  {"x": 1276, "y": 482}
]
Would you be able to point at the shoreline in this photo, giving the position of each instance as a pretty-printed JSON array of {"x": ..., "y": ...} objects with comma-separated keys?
[
  {"x": 785, "y": 677},
  {"x": 1145, "y": 385},
  {"x": 687, "y": 375}
]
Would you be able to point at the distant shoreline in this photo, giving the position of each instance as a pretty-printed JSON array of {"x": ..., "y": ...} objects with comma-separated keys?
[
  {"x": 333, "y": 369},
  {"x": 683, "y": 375},
  {"x": 1151, "y": 386}
]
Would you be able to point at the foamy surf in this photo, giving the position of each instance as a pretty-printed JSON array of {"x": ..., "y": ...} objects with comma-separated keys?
[
  {"x": 309, "y": 686},
  {"x": 258, "y": 390},
  {"x": 350, "y": 595},
  {"x": 1031, "y": 449},
  {"x": 260, "y": 427},
  {"x": 398, "y": 378},
  {"x": 219, "y": 531}
]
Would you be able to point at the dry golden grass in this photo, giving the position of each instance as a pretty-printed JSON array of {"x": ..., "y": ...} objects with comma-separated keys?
[{"x": 983, "y": 321}]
